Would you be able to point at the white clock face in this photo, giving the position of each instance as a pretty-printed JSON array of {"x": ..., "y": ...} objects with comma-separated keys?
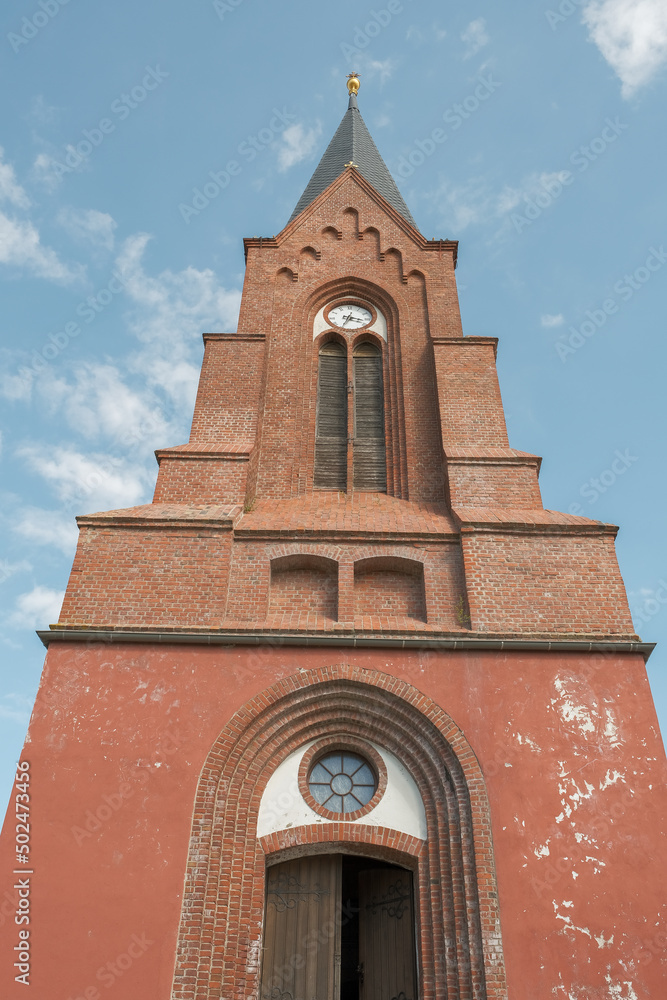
[{"x": 349, "y": 316}]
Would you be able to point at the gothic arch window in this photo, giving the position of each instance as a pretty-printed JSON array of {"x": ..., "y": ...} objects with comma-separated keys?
[
  {"x": 369, "y": 460},
  {"x": 369, "y": 455},
  {"x": 331, "y": 420}
]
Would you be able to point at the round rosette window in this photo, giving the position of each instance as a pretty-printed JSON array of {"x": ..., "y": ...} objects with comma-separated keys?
[{"x": 342, "y": 782}]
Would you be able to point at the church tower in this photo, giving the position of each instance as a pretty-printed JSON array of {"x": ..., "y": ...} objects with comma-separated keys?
[{"x": 344, "y": 713}]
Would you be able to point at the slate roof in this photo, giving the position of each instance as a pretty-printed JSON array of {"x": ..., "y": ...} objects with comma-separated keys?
[{"x": 352, "y": 142}]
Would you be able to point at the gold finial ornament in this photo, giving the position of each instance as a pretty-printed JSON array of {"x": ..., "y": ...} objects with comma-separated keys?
[{"x": 353, "y": 84}]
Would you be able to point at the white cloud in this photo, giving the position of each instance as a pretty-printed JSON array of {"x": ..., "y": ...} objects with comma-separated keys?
[
  {"x": 88, "y": 482},
  {"x": 38, "y": 608},
  {"x": 15, "y": 707},
  {"x": 463, "y": 205},
  {"x": 44, "y": 171},
  {"x": 8, "y": 569},
  {"x": 384, "y": 68},
  {"x": 88, "y": 225},
  {"x": 549, "y": 321},
  {"x": 632, "y": 37},
  {"x": 15, "y": 387},
  {"x": 168, "y": 314},
  {"x": 10, "y": 190},
  {"x": 43, "y": 113},
  {"x": 475, "y": 202},
  {"x": 475, "y": 36},
  {"x": 20, "y": 246},
  {"x": 296, "y": 144},
  {"x": 49, "y": 527},
  {"x": 51, "y": 166},
  {"x": 97, "y": 401}
]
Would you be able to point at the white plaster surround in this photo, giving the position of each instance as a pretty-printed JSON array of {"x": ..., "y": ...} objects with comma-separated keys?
[
  {"x": 379, "y": 326},
  {"x": 400, "y": 808}
]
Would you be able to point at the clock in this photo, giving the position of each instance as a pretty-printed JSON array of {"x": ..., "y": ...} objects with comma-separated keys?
[{"x": 349, "y": 316}]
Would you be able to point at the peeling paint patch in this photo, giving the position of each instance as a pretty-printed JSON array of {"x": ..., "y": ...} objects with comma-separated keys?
[
  {"x": 574, "y": 795},
  {"x": 611, "y": 778},
  {"x": 526, "y": 741},
  {"x": 543, "y": 851},
  {"x": 570, "y": 712},
  {"x": 604, "y": 943},
  {"x": 621, "y": 991}
]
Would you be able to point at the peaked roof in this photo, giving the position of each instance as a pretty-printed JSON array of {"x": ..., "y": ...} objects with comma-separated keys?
[{"x": 353, "y": 143}]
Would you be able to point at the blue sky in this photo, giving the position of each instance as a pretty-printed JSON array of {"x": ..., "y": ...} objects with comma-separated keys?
[{"x": 534, "y": 134}]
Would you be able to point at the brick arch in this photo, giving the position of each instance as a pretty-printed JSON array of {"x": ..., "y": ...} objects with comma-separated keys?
[
  {"x": 333, "y": 552},
  {"x": 219, "y": 944}
]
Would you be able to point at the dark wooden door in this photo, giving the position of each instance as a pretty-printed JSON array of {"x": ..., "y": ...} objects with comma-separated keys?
[
  {"x": 386, "y": 935},
  {"x": 301, "y": 958}
]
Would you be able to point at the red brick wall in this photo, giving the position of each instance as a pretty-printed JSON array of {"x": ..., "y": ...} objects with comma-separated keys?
[
  {"x": 389, "y": 587},
  {"x": 156, "y": 577},
  {"x": 440, "y": 565},
  {"x": 478, "y": 483},
  {"x": 551, "y": 584},
  {"x": 409, "y": 282},
  {"x": 304, "y": 583},
  {"x": 546, "y": 730},
  {"x": 229, "y": 388},
  {"x": 471, "y": 410},
  {"x": 189, "y": 478}
]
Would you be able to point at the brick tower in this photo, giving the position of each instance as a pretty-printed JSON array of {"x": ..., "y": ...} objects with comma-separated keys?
[{"x": 344, "y": 713}]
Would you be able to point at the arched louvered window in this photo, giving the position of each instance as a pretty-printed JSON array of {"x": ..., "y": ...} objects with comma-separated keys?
[
  {"x": 331, "y": 426},
  {"x": 370, "y": 463}
]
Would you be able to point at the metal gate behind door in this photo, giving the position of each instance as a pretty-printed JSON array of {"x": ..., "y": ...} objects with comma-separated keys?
[{"x": 386, "y": 935}]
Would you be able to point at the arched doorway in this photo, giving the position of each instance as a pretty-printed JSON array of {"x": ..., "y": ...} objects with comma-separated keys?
[
  {"x": 222, "y": 918},
  {"x": 339, "y": 927}
]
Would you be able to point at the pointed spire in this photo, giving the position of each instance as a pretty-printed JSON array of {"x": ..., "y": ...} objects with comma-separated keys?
[{"x": 352, "y": 145}]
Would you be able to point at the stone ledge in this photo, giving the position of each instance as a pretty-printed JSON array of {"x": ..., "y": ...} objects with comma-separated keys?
[{"x": 471, "y": 643}]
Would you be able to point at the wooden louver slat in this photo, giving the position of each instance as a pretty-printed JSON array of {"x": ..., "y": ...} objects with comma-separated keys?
[
  {"x": 370, "y": 463},
  {"x": 331, "y": 427}
]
